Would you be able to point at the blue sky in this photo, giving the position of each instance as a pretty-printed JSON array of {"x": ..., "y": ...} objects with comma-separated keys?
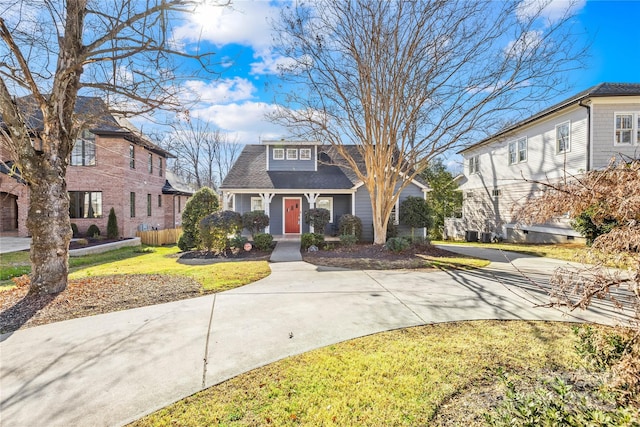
[{"x": 238, "y": 99}]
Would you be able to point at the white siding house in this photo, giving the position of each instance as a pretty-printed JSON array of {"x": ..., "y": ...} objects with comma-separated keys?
[{"x": 579, "y": 134}]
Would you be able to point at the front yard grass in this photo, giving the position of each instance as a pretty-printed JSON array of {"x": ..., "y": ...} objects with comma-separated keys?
[
  {"x": 564, "y": 251},
  {"x": 215, "y": 277},
  {"x": 160, "y": 260},
  {"x": 418, "y": 376}
]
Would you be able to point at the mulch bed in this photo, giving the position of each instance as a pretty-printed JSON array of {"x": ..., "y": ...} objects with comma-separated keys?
[
  {"x": 375, "y": 257},
  {"x": 253, "y": 254},
  {"x": 90, "y": 296}
]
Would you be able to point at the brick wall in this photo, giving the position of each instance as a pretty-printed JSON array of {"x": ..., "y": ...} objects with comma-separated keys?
[
  {"x": 113, "y": 176},
  {"x": 14, "y": 206}
]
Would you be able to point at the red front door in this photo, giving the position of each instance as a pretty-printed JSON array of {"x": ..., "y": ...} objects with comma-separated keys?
[{"x": 292, "y": 216}]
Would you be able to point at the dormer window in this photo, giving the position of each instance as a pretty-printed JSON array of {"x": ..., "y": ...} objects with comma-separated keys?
[
  {"x": 278, "y": 154},
  {"x": 292, "y": 154},
  {"x": 305, "y": 154}
]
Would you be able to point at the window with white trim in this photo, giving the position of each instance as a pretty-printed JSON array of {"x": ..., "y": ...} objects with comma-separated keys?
[
  {"x": 562, "y": 138},
  {"x": 256, "y": 204},
  {"x": 518, "y": 151},
  {"x": 305, "y": 154},
  {"x": 394, "y": 213},
  {"x": 522, "y": 150},
  {"x": 326, "y": 203},
  {"x": 624, "y": 129},
  {"x": 278, "y": 154},
  {"x": 513, "y": 156},
  {"x": 292, "y": 154},
  {"x": 474, "y": 164}
]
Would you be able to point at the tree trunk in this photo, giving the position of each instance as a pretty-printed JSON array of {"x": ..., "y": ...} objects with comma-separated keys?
[
  {"x": 379, "y": 222},
  {"x": 379, "y": 232},
  {"x": 50, "y": 229}
]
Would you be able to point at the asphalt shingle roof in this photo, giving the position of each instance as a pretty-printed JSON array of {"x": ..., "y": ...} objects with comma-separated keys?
[
  {"x": 99, "y": 119},
  {"x": 248, "y": 172}
]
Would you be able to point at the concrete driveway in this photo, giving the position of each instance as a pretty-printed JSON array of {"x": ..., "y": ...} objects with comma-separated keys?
[{"x": 110, "y": 369}]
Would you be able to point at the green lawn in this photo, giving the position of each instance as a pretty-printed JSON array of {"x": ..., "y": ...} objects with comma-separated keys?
[
  {"x": 400, "y": 377},
  {"x": 564, "y": 251},
  {"x": 160, "y": 260}
]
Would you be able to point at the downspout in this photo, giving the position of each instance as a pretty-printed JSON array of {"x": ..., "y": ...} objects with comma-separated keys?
[{"x": 588, "y": 168}]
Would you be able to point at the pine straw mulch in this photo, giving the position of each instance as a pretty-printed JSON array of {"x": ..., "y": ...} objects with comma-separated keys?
[
  {"x": 90, "y": 296},
  {"x": 376, "y": 257}
]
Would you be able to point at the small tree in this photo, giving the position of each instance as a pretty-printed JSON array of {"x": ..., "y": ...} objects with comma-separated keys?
[
  {"x": 318, "y": 218},
  {"x": 415, "y": 212},
  {"x": 216, "y": 228},
  {"x": 112, "y": 225},
  {"x": 445, "y": 199},
  {"x": 204, "y": 202},
  {"x": 255, "y": 222}
]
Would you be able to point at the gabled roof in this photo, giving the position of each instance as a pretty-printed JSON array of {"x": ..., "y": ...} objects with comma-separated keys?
[
  {"x": 598, "y": 91},
  {"x": 100, "y": 121},
  {"x": 249, "y": 172}
]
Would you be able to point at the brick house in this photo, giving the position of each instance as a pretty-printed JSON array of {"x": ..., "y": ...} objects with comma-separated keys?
[{"x": 113, "y": 165}]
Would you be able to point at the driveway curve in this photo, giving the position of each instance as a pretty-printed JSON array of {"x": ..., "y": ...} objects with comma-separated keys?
[{"x": 111, "y": 369}]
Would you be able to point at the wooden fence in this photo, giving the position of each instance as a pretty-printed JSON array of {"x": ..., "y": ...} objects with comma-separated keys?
[{"x": 168, "y": 236}]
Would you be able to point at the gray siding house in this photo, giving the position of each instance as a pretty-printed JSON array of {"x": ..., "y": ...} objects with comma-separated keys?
[
  {"x": 581, "y": 133},
  {"x": 286, "y": 178}
]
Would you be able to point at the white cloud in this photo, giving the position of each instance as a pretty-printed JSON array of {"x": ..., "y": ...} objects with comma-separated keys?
[
  {"x": 527, "y": 42},
  {"x": 551, "y": 10},
  {"x": 220, "y": 91},
  {"x": 244, "y": 22},
  {"x": 270, "y": 64},
  {"x": 247, "y": 120}
]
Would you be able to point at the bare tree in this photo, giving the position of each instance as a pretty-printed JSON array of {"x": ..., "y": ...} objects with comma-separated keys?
[
  {"x": 204, "y": 154},
  {"x": 407, "y": 81},
  {"x": 51, "y": 51}
]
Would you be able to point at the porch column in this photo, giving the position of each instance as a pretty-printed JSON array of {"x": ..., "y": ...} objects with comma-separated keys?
[
  {"x": 227, "y": 198},
  {"x": 266, "y": 204},
  {"x": 311, "y": 198}
]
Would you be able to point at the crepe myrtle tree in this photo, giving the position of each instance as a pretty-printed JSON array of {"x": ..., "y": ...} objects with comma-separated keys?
[
  {"x": 407, "y": 81},
  {"x": 50, "y": 53}
]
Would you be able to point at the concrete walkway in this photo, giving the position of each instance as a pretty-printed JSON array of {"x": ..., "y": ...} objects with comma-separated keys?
[
  {"x": 110, "y": 369},
  {"x": 287, "y": 250}
]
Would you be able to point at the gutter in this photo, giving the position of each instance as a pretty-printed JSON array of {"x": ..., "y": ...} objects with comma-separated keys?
[{"x": 588, "y": 107}]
